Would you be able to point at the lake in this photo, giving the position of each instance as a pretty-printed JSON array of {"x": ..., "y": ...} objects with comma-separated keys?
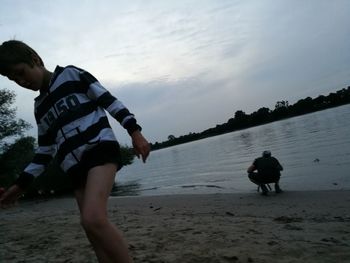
[{"x": 314, "y": 150}]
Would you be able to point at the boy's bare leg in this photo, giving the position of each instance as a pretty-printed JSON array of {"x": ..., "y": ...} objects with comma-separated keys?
[
  {"x": 105, "y": 238},
  {"x": 79, "y": 195}
]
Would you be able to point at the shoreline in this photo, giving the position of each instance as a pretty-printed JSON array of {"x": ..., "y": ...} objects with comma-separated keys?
[{"x": 310, "y": 226}]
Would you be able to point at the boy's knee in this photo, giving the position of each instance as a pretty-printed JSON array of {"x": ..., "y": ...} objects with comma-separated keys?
[{"x": 93, "y": 222}]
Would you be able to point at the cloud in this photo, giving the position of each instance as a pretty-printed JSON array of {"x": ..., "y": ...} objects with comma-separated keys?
[{"x": 185, "y": 66}]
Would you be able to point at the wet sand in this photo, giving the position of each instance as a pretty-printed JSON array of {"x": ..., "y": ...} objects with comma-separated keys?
[{"x": 289, "y": 227}]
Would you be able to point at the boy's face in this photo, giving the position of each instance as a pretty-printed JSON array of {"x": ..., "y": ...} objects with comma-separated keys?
[{"x": 27, "y": 76}]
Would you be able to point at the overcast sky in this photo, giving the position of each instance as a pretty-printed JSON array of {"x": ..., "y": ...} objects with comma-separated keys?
[{"x": 184, "y": 66}]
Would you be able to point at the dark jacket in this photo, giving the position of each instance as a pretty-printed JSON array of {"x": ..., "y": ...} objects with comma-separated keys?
[{"x": 268, "y": 167}]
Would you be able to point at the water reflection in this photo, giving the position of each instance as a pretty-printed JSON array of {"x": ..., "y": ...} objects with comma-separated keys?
[
  {"x": 247, "y": 140},
  {"x": 288, "y": 130},
  {"x": 218, "y": 164}
]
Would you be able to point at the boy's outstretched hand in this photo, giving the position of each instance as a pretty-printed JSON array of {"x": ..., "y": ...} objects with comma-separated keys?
[
  {"x": 141, "y": 145},
  {"x": 10, "y": 197}
]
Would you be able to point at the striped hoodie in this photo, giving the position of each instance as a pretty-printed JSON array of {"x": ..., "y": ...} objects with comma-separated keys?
[{"x": 71, "y": 119}]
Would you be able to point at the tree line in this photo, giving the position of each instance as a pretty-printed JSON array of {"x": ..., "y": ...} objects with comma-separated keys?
[
  {"x": 264, "y": 115},
  {"x": 17, "y": 151}
]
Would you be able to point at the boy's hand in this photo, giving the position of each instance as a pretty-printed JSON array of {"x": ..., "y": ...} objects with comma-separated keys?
[
  {"x": 9, "y": 197},
  {"x": 141, "y": 145}
]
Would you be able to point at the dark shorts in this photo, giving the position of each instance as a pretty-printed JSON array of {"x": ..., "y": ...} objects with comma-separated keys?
[
  {"x": 102, "y": 153},
  {"x": 258, "y": 179}
]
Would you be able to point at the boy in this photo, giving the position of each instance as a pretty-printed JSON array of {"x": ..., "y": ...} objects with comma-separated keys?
[{"x": 73, "y": 125}]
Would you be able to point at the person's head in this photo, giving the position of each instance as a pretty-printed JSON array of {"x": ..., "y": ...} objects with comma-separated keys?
[
  {"x": 20, "y": 63},
  {"x": 266, "y": 154}
]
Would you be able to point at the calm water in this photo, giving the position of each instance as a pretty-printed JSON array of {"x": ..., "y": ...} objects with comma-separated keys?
[{"x": 314, "y": 150}]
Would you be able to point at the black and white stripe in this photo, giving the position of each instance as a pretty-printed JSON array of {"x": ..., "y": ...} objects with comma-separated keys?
[{"x": 71, "y": 118}]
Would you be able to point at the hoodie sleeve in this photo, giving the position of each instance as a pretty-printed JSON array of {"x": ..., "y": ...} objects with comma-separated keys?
[
  {"x": 110, "y": 103},
  {"x": 43, "y": 155}
]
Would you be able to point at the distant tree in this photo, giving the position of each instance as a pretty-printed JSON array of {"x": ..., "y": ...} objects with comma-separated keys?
[
  {"x": 14, "y": 159},
  {"x": 303, "y": 106},
  {"x": 241, "y": 119},
  {"x": 263, "y": 111},
  {"x": 171, "y": 137},
  {"x": 281, "y": 109},
  {"x": 9, "y": 125},
  {"x": 320, "y": 102},
  {"x": 261, "y": 115},
  {"x": 334, "y": 99},
  {"x": 239, "y": 115},
  {"x": 281, "y": 104}
]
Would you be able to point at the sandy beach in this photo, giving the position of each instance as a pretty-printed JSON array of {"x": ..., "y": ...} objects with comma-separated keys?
[{"x": 289, "y": 227}]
